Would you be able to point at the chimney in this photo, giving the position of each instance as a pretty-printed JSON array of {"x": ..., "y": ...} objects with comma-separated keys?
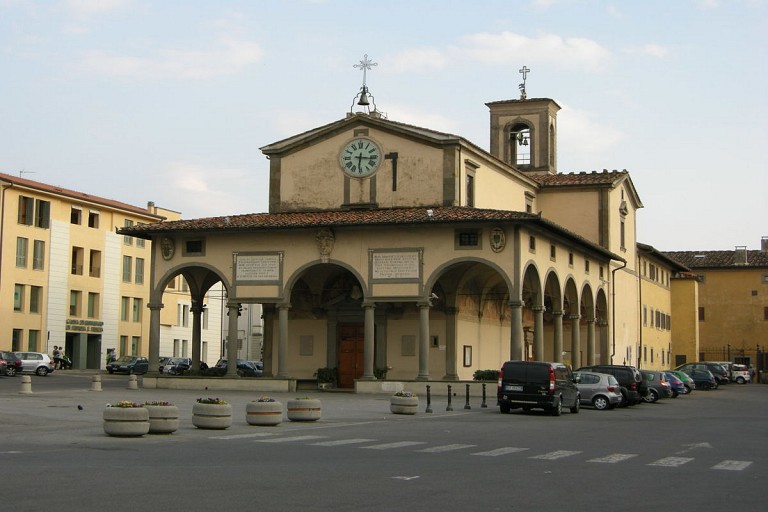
[
  {"x": 740, "y": 255},
  {"x": 764, "y": 244}
]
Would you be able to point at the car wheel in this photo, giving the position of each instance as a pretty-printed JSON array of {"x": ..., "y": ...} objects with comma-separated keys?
[
  {"x": 557, "y": 407},
  {"x": 504, "y": 408},
  {"x": 11, "y": 371},
  {"x": 42, "y": 371},
  {"x": 686, "y": 389},
  {"x": 624, "y": 399},
  {"x": 740, "y": 380},
  {"x": 110, "y": 371},
  {"x": 130, "y": 371},
  {"x": 675, "y": 393},
  {"x": 651, "y": 397},
  {"x": 600, "y": 403},
  {"x": 576, "y": 405}
]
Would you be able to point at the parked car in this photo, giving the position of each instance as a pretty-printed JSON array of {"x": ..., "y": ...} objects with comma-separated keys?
[
  {"x": 177, "y": 365},
  {"x": 536, "y": 384},
  {"x": 129, "y": 365},
  {"x": 35, "y": 362},
  {"x": 658, "y": 387},
  {"x": 633, "y": 387},
  {"x": 10, "y": 364},
  {"x": 740, "y": 374},
  {"x": 675, "y": 384},
  {"x": 688, "y": 382},
  {"x": 703, "y": 378},
  {"x": 600, "y": 390},
  {"x": 244, "y": 369},
  {"x": 720, "y": 373}
]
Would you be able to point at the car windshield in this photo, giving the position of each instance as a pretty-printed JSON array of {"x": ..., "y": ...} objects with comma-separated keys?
[{"x": 124, "y": 359}]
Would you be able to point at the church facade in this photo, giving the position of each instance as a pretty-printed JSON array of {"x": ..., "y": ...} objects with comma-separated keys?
[{"x": 396, "y": 252}]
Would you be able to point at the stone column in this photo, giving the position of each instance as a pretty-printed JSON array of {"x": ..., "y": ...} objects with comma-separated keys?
[
  {"x": 233, "y": 311},
  {"x": 605, "y": 346},
  {"x": 368, "y": 342},
  {"x": 557, "y": 321},
  {"x": 575, "y": 342},
  {"x": 154, "y": 335},
  {"x": 268, "y": 312},
  {"x": 197, "y": 326},
  {"x": 590, "y": 341},
  {"x": 517, "y": 337},
  {"x": 282, "y": 344},
  {"x": 423, "y": 341},
  {"x": 538, "y": 333},
  {"x": 331, "y": 324},
  {"x": 451, "y": 349}
]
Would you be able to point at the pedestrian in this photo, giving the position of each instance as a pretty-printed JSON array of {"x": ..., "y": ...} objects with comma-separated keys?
[{"x": 56, "y": 358}]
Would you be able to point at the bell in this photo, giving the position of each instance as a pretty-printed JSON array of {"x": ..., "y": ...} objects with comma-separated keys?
[
  {"x": 525, "y": 142},
  {"x": 363, "y": 101}
]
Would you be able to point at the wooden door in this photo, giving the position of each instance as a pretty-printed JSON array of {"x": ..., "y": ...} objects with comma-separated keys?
[{"x": 351, "y": 343}]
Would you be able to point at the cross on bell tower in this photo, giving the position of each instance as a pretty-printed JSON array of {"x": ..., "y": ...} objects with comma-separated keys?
[{"x": 523, "y": 71}]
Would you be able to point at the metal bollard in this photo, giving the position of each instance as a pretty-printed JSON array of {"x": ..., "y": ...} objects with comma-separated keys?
[
  {"x": 26, "y": 385},
  {"x": 429, "y": 399},
  {"x": 96, "y": 383},
  {"x": 466, "y": 404},
  {"x": 483, "y": 404},
  {"x": 449, "y": 408},
  {"x": 133, "y": 382}
]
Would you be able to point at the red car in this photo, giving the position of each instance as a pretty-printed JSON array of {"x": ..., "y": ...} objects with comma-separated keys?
[{"x": 10, "y": 364}]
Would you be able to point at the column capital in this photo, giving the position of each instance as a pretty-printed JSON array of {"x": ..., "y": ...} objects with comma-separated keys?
[
  {"x": 557, "y": 313},
  {"x": 283, "y": 305},
  {"x": 539, "y": 309},
  {"x": 591, "y": 320},
  {"x": 368, "y": 305},
  {"x": 574, "y": 316},
  {"x": 516, "y": 303},
  {"x": 155, "y": 305},
  {"x": 423, "y": 305}
]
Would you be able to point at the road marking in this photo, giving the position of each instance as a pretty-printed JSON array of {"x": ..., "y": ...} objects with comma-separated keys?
[
  {"x": 242, "y": 436},
  {"x": 559, "y": 454},
  {"x": 500, "y": 451},
  {"x": 733, "y": 465},
  {"x": 388, "y": 446},
  {"x": 342, "y": 442},
  {"x": 614, "y": 458},
  {"x": 405, "y": 477},
  {"x": 288, "y": 439},
  {"x": 671, "y": 462},
  {"x": 446, "y": 448}
]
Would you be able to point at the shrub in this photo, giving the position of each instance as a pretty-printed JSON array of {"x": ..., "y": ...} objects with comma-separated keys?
[{"x": 486, "y": 375}]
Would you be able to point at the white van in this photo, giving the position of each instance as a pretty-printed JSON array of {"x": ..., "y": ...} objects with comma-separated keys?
[{"x": 740, "y": 374}]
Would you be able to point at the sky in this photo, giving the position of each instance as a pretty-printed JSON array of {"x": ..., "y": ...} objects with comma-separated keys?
[{"x": 169, "y": 101}]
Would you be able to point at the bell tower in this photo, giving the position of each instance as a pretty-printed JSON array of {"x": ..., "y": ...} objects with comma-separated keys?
[{"x": 524, "y": 132}]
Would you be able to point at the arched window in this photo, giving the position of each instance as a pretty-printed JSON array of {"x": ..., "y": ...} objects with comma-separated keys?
[{"x": 520, "y": 144}]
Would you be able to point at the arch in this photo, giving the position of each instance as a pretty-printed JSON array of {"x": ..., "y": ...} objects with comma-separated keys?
[
  {"x": 519, "y": 140},
  {"x": 304, "y": 269},
  {"x": 195, "y": 277},
  {"x": 442, "y": 269}
]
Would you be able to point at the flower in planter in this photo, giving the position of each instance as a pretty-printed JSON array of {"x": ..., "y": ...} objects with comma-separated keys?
[
  {"x": 265, "y": 399},
  {"x": 303, "y": 398},
  {"x": 125, "y": 404},
  {"x": 406, "y": 394},
  {"x": 159, "y": 403},
  {"x": 216, "y": 401}
]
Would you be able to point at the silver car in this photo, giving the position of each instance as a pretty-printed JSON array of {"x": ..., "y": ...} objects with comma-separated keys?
[
  {"x": 35, "y": 362},
  {"x": 600, "y": 390}
]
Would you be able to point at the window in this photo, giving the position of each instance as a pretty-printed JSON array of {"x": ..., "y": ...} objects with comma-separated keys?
[
  {"x": 78, "y": 253},
  {"x": 532, "y": 243},
  {"x": 601, "y": 272},
  {"x": 623, "y": 233},
  {"x": 204, "y": 320},
  {"x": 75, "y": 301},
  {"x": 184, "y": 348},
  {"x": 139, "y": 242},
  {"x": 26, "y": 210},
  {"x": 658, "y": 319},
  {"x": 35, "y": 298},
  {"x": 185, "y": 315},
  {"x": 651, "y": 354},
  {"x": 470, "y": 190},
  {"x": 21, "y": 252},
  {"x": 94, "y": 263},
  {"x": 521, "y": 148},
  {"x": 176, "y": 344},
  {"x": 127, "y": 239},
  {"x": 18, "y": 297},
  {"x": 645, "y": 316},
  {"x": 124, "y": 305},
  {"x": 76, "y": 216},
  {"x": 586, "y": 266},
  {"x": 18, "y": 336},
  {"x": 466, "y": 239},
  {"x": 42, "y": 214},
  {"x": 33, "y": 340},
  {"x": 701, "y": 314},
  {"x": 194, "y": 248},
  {"x": 136, "y": 310},
  {"x": 552, "y": 252},
  {"x": 139, "y": 271},
  {"x": 123, "y": 345},
  {"x": 127, "y": 262},
  {"x": 93, "y": 305},
  {"x": 135, "y": 340},
  {"x": 570, "y": 259},
  {"x": 38, "y": 255},
  {"x": 528, "y": 202},
  {"x": 93, "y": 219},
  {"x": 652, "y": 317}
]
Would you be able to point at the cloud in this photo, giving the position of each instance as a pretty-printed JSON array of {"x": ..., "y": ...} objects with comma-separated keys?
[
  {"x": 229, "y": 56},
  {"x": 651, "y": 50},
  {"x": 94, "y": 7}
]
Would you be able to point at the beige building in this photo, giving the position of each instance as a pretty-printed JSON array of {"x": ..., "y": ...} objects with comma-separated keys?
[
  {"x": 74, "y": 281},
  {"x": 732, "y": 301},
  {"x": 390, "y": 247}
]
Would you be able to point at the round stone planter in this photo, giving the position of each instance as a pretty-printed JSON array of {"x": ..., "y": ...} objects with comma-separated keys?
[
  {"x": 404, "y": 404},
  {"x": 305, "y": 409},
  {"x": 163, "y": 419},
  {"x": 212, "y": 416},
  {"x": 126, "y": 421},
  {"x": 264, "y": 413}
]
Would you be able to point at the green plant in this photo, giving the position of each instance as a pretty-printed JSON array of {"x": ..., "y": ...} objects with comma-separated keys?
[
  {"x": 265, "y": 399},
  {"x": 126, "y": 404},
  {"x": 326, "y": 375},
  {"x": 381, "y": 373},
  {"x": 215, "y": 401},
  {"x": 159, "y": 403},
  {"x": 405, "y": 394},
  {"x": 486, "y": 375}
]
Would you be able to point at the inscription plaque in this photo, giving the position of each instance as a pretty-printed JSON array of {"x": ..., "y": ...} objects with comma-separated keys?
[
  {"x": 257, "y": 267},
  {"x": 395, "y": 265}
]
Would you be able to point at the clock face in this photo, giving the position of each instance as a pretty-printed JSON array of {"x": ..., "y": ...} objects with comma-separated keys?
[{"x": 360, "y": 158}]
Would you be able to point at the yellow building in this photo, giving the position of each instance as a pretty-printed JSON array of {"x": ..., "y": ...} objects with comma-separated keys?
[
  {"x": 732, "y": 301},
  {"x": 74, "y": 281}
]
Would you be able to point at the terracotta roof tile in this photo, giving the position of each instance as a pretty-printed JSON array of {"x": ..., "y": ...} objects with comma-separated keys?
[
  {"x": 580, "y": 178},
  {"x": 719, "y": 259}
]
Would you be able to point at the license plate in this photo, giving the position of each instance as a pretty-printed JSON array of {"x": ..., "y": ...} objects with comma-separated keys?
[{"x": 513, "y": 388}]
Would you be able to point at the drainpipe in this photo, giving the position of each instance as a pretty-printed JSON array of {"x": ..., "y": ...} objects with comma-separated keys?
[
  {"x": 613, "y": 310},
  {"x": 2, "y": 227}
]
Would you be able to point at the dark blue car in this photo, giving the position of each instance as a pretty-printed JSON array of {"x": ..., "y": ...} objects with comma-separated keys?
[{"x": 678, "y": 388}]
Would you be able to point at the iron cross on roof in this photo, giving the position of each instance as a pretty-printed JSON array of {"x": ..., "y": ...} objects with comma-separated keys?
[
  {"x": 523, "y": 71},
  {"x": 365, "y": 65}
]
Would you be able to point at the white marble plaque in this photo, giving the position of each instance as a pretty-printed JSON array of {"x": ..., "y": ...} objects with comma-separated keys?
[
  {"x": 396, "y": 265},
  {"x": 258, "y": 267}
]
